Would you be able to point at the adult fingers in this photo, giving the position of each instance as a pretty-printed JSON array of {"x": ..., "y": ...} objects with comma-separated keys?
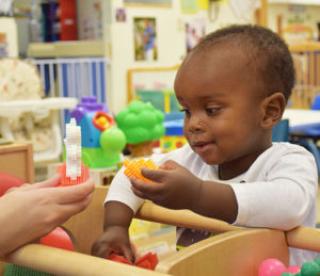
[
  {"x": 74, "y": 193},
  {"x": 23, "y": 187},
  {"x": 52, "y": 182},
  {"x": 68, "y": 210},
  {"x": 44, "y": 184}
]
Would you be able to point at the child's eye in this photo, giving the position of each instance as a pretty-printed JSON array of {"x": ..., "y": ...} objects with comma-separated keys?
[
  {"x": 186, "y": 111},
  {"x": 212, "y": 110}
]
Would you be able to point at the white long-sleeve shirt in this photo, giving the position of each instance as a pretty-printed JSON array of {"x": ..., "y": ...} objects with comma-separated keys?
[{"x": 277, "y": 191}]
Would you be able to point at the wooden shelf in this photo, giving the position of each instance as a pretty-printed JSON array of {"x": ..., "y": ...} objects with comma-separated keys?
[{"x": 87, "y": 48}]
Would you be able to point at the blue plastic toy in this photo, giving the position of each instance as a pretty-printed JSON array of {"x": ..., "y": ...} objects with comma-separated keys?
[{"x": 102, "y": 140}]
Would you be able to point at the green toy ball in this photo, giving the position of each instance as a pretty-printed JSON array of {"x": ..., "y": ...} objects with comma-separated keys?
[
  {"x": 113, "y": 139},
  {"x": 317, "y": 261},
  {"x": 310, "y": 269}
]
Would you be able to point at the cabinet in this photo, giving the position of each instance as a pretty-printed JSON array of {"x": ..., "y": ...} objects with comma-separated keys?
[{"x": 17, "y": 160}]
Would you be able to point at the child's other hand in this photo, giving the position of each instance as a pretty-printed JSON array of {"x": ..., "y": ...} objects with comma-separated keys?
[
  {"x": 175, "y": 187},
  {"x": 115, "y": 239}
]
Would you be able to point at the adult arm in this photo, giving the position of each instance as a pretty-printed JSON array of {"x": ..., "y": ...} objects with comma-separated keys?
[{"x": 31, "y": 211}]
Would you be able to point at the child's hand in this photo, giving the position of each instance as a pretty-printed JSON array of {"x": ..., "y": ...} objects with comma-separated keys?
[
  {"x": 114, "y": 240},
  {"x": 174, "y": 186}
]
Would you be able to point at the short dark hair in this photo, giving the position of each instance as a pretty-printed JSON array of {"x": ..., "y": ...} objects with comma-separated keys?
[{"x": 268, "y": 52}]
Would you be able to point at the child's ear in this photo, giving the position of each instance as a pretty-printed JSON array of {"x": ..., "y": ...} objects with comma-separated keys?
[{"x": 272, "y": 108}]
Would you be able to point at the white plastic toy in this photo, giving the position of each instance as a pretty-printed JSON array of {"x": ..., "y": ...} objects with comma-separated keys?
[{"x": 73, "y": 150}]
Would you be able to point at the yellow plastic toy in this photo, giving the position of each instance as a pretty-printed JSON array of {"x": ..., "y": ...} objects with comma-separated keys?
[{"x": 133, "y": 168}]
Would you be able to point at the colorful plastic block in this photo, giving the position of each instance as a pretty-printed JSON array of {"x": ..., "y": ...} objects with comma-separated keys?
[
  {"x": 133, "y": 168},
  {"x": 67, "y": 181}
]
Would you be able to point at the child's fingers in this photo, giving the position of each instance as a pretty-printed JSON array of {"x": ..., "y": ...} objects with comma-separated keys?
[
  {"x": 154, "y": 175},
  {"x": 104, "y": 253},
  {"x": 169, "y": 165},
  {"x": 128, "y": 253},
  {"x": 134, "y": 250},
  {"x": 138, "y": 193},
  {"x": 100, "y": 249},
  {"x": 146, "y": 188}
]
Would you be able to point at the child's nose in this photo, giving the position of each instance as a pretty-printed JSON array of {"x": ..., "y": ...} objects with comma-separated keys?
[{"x": 195, "y": 125}]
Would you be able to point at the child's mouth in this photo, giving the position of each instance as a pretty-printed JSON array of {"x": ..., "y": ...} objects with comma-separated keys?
[{"x": 201, "y": 147}]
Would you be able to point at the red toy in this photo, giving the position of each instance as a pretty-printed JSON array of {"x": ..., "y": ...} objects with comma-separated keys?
[
  {"x": 58, "y": 238},
  {"x": 102, "y": 120},
  {"x": 119, "y": 259},
  {"x": 8, "y": 181},
  {"x": 148, "y": 261}
]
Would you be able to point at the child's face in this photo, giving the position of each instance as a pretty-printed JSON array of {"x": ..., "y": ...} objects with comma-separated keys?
[{"x": 222, "y": 103}]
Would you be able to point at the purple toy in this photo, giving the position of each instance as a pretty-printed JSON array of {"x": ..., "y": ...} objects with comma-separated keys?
[{"x": 87, "y": 104}]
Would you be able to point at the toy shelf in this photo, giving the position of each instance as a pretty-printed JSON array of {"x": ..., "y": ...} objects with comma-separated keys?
[{"x": 85, "y": 48}]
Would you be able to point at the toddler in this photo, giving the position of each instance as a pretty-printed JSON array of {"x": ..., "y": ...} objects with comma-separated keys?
[{"x": 233, "y": 88}]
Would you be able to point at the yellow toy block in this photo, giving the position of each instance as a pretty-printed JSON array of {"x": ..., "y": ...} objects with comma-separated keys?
[{"x": 133, "y": 168}]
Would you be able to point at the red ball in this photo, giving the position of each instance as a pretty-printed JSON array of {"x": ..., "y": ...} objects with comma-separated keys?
[
  {"x": 8, "y": 181},
  {"x": 58, "y": 238},
  {"x": 271, "y": 267}
]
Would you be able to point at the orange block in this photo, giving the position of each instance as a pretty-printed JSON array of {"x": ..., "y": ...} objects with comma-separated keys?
[
  {"x": 133, "y": 168},
  {"x": 67, "y": 181}
]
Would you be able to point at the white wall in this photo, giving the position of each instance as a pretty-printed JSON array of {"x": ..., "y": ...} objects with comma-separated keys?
[
  {"x": 170, "y": 39},
  {"x": 229, "y": 13},
  {"x": 8, "y": 26}
]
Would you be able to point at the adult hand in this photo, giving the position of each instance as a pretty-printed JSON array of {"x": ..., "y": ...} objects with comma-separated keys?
[
  {"x": 173, "y": 186},
  {"x": 31, "y": 211}
]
